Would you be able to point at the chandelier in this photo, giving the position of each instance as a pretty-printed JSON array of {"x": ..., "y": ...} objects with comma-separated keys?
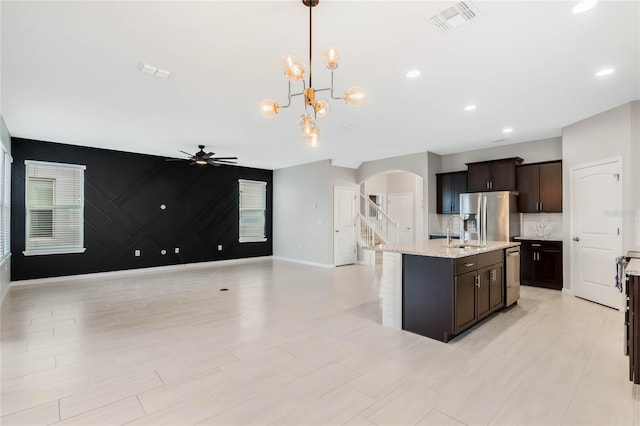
[{"x": 294, "y": 70}]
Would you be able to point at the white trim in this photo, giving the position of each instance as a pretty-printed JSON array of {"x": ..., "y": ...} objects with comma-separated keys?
[
  {"x": 252, "y": 240},
  {"x": 568, "y": 291},
  {"x": 48, "y": 164},
  {"x": 304, "y": 262},
  {"x": 58, "y": 251},
  {"x": 6, "y": 290},
  {"x": 138, "y": 271}
]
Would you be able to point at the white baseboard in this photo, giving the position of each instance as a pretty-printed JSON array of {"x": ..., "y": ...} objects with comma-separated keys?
[
  {"x": 304, "y": 262},
  {"x": 5, "y": 273},
  {"x": 139, "y": 271},
  {"x": 567, "y": 291}
]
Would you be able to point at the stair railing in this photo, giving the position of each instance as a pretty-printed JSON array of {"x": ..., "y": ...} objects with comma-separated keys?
[{"x": 376, "y": 224}]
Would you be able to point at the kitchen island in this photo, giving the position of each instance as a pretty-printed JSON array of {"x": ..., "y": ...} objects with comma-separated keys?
[{"x": 437, "y": 290}]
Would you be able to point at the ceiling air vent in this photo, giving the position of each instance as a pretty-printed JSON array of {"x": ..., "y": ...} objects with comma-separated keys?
[{"x": 454, "y": 16}]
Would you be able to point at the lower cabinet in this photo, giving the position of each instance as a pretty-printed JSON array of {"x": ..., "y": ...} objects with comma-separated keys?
[
  {"x": 632, "y": 320},
  {"x": 442, "y": 297},
  {"x": 541, "y": 263},
  {"x": 479, "y": 292}
]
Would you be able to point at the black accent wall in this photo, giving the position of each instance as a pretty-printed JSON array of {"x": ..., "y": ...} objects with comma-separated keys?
[{"x": 123, "y": 193}]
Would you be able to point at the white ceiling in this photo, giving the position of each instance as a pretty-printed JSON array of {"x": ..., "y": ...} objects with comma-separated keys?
[{"x": 70, "y": 74}]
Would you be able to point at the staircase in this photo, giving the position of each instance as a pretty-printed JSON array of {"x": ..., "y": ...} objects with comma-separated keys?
[{"x": 375, "y": 225}]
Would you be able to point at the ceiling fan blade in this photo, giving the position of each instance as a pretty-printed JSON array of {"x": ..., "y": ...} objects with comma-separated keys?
[
  {"x": 211, "y": 154},
  {"x": 224, "y": 158},
  {"x": 222, "y": 161},
  {"x": 190, "y": 155},
  {"x": 176, "y": 159},
  {"x": 213, "y": 163}
]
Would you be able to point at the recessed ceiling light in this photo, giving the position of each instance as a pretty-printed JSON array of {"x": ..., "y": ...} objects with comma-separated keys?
[
  {"x": 148, "y": 69},
  {"x": 413, "y": 74},
  {"x": 507, "y": 130},
  {"x": 605, "y": 72},
  {"x": 583, "y": 6},
  {"x": 469, "y": 107},
  {"x": 162, "y": 73}
]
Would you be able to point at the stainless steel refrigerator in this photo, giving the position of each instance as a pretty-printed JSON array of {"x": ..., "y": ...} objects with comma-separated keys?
[{"x": 490, "y": 216}]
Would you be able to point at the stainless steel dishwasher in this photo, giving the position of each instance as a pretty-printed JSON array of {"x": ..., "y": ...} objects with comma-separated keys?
[{"x": 513, "y": 275}]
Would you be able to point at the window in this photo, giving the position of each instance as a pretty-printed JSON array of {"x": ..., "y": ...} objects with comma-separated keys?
[
  {"x": 253, "y": 203},
  {"x": 54, "y": 208},
  {"x": 5, "y": 204}
]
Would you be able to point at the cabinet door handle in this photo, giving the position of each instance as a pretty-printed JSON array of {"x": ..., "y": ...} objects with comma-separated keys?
[
  {"x": 478, "y": 281},
  {"x": 490, "y": 184},
  {"x": 468, "y": 265},
  {"x": 537, "y": 206},
  {"x": 536, "y": 245},
  {"x": 487, "y": 184}
]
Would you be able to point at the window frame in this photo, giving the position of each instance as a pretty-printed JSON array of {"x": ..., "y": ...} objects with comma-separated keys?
[
  {"x": 60, "y": 249},
  {"x": 5, "y": 204},
  {"x": 254, "y": 238}
]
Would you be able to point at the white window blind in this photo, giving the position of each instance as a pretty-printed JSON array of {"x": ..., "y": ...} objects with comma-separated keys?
[
  {"x": 253, "y": 203},
  {"x": 54, "y": 208},
  {"x": 5, "y": 205}
]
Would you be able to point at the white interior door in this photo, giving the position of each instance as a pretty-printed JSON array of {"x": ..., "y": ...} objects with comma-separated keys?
[
  {"x": 344, "y": 224},
  {"x": 596, "y": 225},
  {"x": 401, "y": 210}
]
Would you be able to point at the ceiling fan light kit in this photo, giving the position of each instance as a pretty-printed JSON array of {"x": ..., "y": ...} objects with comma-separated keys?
[{"x": 294, "y": 70}]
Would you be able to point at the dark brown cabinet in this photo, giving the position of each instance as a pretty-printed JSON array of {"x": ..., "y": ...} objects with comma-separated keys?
[
  {"x": 449, "y": 188},
  {"x": 466, "y": 308},
  {"x": 540, "y": 187},
  {"x": 496, "y": 175},
  {"x": 541, "y": 263},
  {"x": 479, "y": 288},
  {"x": 632, "y": 322}
]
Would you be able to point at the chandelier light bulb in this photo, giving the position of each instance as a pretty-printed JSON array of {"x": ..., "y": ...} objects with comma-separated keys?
[
  {"x": 293, "y": 68},
  {"x": 331, "y": 57},
  {"x": 321, "y": 108},
  {"x": 307, "y": 125},
  {"x": 269, "y": 108},
  {"x": 313, "y": 140},
  {"x": 354, "y": 96}
]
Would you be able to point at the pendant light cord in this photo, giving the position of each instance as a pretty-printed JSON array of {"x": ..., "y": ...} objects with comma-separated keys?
[{"x": 310, "y": 32}]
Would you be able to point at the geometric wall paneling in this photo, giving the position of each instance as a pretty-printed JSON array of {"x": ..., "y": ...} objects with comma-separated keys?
[{"x": 123, "y": 197}]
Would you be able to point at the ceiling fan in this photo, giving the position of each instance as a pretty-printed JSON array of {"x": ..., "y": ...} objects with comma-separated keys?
[{"x": 202, "y": 158}]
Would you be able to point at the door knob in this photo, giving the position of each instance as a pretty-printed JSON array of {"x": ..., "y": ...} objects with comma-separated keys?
[{"x": 576, "y": 239}]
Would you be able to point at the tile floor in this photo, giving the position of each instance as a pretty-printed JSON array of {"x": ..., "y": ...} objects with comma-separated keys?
[{"x": 290, "y": 344}]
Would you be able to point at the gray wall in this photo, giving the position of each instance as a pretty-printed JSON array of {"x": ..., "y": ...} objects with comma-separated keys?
[
  {"x": 415, "y": 163},
  {"x": 530, "y": 152},
  {"x": 303, "y": 210},
  {"x": 611, "y": 134},
  {"x": 5, "y": 267}
]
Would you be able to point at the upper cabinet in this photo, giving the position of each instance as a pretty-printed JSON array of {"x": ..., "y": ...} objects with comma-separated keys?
[
  {"x": 449, "y": 187},
  {"x": 496, "y": 175},
  {"x": 540, "y": 187}
]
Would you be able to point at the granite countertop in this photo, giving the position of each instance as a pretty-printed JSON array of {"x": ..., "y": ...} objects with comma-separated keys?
[
  {"x": 633, "y": 268},
  {"x": 551, "y": 239},
  {"x": 439, "y": 248}
]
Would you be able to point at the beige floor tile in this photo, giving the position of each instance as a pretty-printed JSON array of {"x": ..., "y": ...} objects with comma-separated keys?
[
  {"x": 406, "y": 407},
  {"x": 256, "y": 364},
  {"x": 336, "y": 407},
  {"x": 359, "y": 421},
  {"x": 155, "y": 399},
  {"x": 438, "y": 418},
  {"x": 187, "y": 412},
  {"x": 117, "y": 413},
  {"x": 81, "y": 403},
  {"x": 182, "y": 370},
  {"x": 45, "y": 414},
  {"x": 29, "y": 398}
]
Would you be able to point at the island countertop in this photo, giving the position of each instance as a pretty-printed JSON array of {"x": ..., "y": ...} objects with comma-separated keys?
[
  {"x": 634, "y": 267},
  {"x": 439, "y": 248}
]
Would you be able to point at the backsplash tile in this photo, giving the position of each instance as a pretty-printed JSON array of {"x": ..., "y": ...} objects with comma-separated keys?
[{"x": 529, "y": 220}]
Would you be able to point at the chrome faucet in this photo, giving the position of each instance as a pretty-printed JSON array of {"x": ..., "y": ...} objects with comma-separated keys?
[{"x": 460, "y": 229}]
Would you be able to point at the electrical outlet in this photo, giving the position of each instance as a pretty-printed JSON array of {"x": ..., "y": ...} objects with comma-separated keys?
[
  {"x": 176, "y": 250},
  {"x": 136, "y": 253},
  {"x": 219, "y": 247}
]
